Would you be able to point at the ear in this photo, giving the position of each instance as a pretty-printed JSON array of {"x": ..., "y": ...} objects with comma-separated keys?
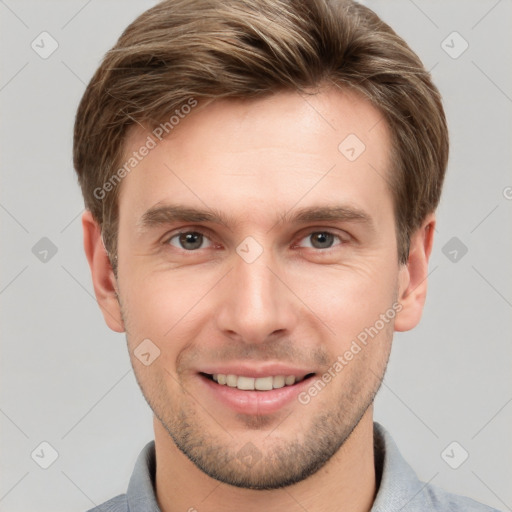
[
  {"x": 103, "y": 278},
  {"x": 412, "y": 289}
]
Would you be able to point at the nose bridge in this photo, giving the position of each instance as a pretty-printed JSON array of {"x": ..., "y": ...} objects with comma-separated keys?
[{"x": 256, "y": 303}]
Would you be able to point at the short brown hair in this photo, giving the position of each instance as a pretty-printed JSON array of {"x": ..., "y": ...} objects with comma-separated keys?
[{"x": 209, "y": 49}]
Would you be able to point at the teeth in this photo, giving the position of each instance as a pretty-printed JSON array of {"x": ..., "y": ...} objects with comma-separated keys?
[
  {"x": 278, "y": 382},
  {"x": 253, "y": 383},
  {"x": 246, "y": 383},
  {"x": 263, "y": 383},
  {"x": 231, "y": 380},
  {"x": 289, "y": 380}
]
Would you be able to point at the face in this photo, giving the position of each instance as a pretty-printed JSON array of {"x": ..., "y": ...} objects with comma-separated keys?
[{"x": 253, "y": 252}]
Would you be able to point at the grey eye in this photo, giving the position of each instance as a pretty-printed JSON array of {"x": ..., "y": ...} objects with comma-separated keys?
[
  {"x": 189, "y": 240},
  {"x": 321, "y": 240}
]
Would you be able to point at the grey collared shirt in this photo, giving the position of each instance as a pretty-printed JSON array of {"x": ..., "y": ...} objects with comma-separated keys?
[{"x": 399, "y": 487}]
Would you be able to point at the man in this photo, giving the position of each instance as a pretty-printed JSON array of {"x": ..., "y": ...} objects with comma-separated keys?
[{"x": 260, "y": 181}]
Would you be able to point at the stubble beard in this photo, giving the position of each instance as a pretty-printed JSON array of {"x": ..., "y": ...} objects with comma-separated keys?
[{"x": 276, "y": 461}]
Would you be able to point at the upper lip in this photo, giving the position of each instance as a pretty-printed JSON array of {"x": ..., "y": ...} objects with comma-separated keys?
[{"x": 245, "y": 369}]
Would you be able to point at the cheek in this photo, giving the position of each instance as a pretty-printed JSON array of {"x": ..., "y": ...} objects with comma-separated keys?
[
  {"x": 164, "y": 306},
  {"x": 348, "y": 300}
]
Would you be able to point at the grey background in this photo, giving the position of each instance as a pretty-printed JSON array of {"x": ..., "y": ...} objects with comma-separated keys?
[{"x": 67, "y": 380}]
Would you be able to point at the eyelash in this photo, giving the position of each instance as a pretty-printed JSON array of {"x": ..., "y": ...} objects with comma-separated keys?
[{"x": 205, "y": 234}]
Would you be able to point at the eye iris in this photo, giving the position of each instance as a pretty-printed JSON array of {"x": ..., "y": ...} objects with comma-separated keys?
[
  {"x": 191, "y": 240},
  {"x": 322, "y": 240}
]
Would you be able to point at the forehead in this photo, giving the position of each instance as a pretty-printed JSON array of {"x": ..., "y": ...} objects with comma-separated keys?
[{"x": 270, "y": 153}]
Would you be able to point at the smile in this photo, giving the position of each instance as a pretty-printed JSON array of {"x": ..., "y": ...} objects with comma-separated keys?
[{"x": 256, "y": 383}]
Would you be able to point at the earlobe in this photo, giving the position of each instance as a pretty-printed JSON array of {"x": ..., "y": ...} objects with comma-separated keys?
[
  {"x": 413, "y": 276},
  {"x": 103, "y": 278}
]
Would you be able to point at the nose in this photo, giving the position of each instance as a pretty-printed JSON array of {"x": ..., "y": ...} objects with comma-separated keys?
[{"x": 256, "y": 303}]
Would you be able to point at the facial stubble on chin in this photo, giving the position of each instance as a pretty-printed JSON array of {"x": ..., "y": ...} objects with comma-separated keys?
[{"x": 279, "y": 462}]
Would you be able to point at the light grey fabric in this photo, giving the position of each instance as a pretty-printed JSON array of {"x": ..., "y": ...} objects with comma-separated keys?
[{"x": 399, "y": 487}]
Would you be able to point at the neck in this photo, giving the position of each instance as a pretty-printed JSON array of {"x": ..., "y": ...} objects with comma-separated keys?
[{"x": 346, "y": 482}]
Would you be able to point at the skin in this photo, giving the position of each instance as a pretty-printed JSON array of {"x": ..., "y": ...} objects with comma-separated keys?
[{"x": 297, "y": 303}]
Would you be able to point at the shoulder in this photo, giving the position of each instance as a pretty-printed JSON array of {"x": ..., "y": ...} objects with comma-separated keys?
[
  {"x": 448, "y": 502},
  {"x": 400, "y": 489},
  {"x": 117, "y": 504},
  {"x": 140, "y": 496}
]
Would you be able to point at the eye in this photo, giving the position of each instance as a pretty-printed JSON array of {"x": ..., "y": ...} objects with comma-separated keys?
[
  {"x": 320, "y": 240},
  {"x": 189, "y": 240}
]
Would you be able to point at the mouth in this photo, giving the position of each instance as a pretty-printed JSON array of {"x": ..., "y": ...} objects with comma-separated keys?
[
  {"x": 262, "y": 383},
  {"x": 251, "y": 389}
]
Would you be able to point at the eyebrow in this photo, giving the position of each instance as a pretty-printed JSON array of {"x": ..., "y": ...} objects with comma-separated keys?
[{"x": 168, "y": 213}]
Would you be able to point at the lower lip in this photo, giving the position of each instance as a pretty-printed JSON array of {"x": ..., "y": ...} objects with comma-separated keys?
[{"x": 255, "y": 402}]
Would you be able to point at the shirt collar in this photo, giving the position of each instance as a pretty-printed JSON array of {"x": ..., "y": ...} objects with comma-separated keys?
[
  {"x": 399, "y": 488},
  {"x": 141, "y": 489}
]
